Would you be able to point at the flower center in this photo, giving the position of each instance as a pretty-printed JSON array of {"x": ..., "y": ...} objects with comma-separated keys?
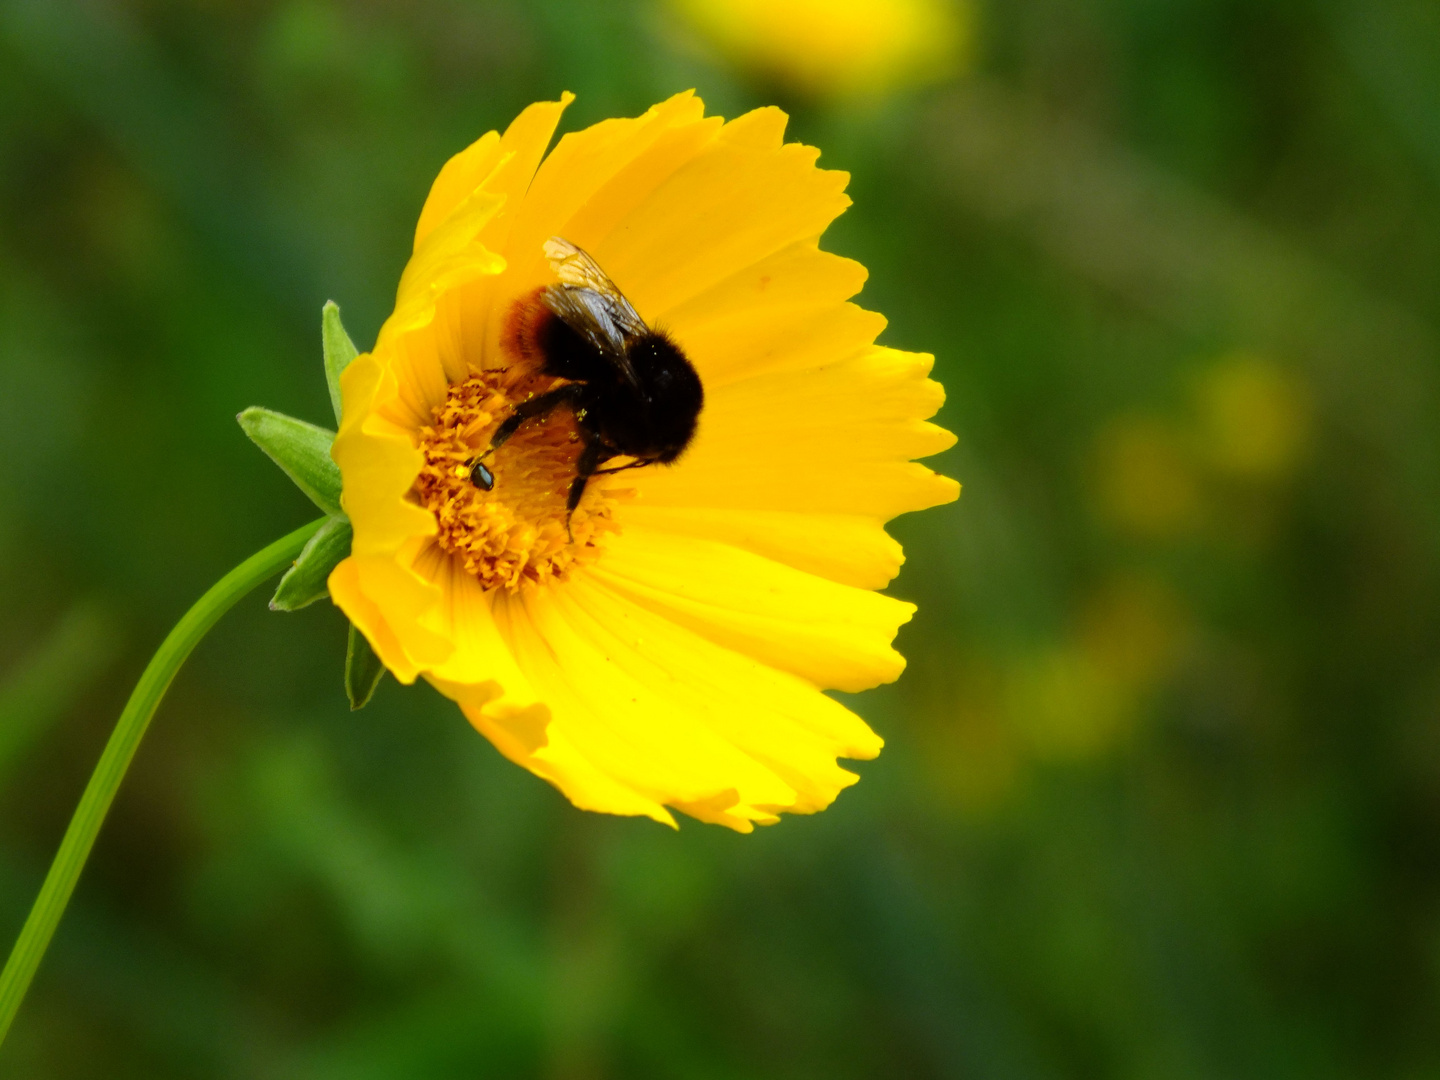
[{"x": 517, "y": 532}]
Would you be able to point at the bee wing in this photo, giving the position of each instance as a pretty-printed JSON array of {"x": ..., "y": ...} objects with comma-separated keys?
[
  {"x": 577, "y": 270},
  {"x": 589, "y": 303},
  {"x": 591, "y": 315}
]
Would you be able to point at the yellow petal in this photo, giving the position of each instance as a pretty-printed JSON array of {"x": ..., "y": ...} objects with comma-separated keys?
[
  {"x": 836, "y": 636},
  {"x": 458, "y": 179},
  {"x": 755, "y": 203},
  {"x": 867, "y": 408},
  {"x": 595, "y": 176},
  {"x": 465, "y": 618},
  {"x": 847, "y": 548},
  {"x": 592, "y": 756},
  {"x": 524, "y": 141},
  {"x": 393, "y": 608},
  {"x": 759, "y": 709},
  {"x": 421, "y": 380},
  {"x": 590, "y": 182},
  {"x": 458, "y": 251},
  {"x": 784, "y": 312},
  {"x": 411, "y": 606},
  {"x": 830, "y": 440},
  {"x": 644, "y": 714},
  {"x": 378, "y": 462},
  {"x": 451, "y": 255},
  {"x": 795, "y": 341},
  {"x": 759, "y": 129},
  {"x": 369, "y": 619},
  {"x": 798, "y": 275}
]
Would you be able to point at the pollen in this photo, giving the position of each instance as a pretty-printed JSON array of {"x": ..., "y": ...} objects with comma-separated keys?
[{"x": 516, "y": 534}]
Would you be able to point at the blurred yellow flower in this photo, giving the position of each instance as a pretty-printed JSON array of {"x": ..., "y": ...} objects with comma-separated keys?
[
  {"x": 840, "y": 48},
  {"x": 1145, "y": 484},
  {"x": 1254, "y": 418},
  {"x": 1065, "y": 706},
  {"x": 1084, "y": 694},
  {"x": 1134, "y": 629},
  {"x": 665, "y": 647}
]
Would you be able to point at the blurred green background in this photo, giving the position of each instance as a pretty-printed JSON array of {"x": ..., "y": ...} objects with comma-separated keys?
[{"x": 1161, "y": 796}]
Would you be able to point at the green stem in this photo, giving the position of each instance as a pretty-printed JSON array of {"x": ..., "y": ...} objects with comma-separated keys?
[{"x": 100, "y": 792}]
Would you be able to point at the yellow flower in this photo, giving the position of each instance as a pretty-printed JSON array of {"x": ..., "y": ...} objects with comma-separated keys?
[
  {"x": 673, "y": 653},
  {"x": 1146, "y": 485},
  {"x": 838, "y": 48},
  {"x": 1255, "y": 418}
]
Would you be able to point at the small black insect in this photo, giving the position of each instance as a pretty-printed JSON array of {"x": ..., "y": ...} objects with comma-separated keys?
[{"x": 632, "y": 390}]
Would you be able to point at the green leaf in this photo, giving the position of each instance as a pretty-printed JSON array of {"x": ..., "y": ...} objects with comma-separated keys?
[
  {"x": 305, "y": 581},
  {"x": 301, "y": 449},
  {"x": 339, "y": 351},
  {"x": 363, "y": 670}
]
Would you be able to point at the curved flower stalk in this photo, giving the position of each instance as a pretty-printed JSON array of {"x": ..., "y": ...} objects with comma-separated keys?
[{"x": 665, "y": 645}]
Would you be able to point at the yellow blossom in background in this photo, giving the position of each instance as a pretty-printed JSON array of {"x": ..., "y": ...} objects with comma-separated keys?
[
  {"x": 1134, "y": 628},
  {"x": 1254, "y": 417},
  {"x": 838, "y": 48},
  {"x": 1065, "y": 706},
  {"x": 1072, "y": 699},
  {"x": 1145, "y": 484},
  {"x": 1081, "y": 696},
  {"x": 666, "y": 646},
  {"x": 1214, "y": 470}
]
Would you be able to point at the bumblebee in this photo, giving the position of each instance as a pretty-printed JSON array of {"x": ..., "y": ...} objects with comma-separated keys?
[{"x": 633, "y": 392}]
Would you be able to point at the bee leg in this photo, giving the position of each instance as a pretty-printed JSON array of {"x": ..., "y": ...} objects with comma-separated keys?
[
  {"x": 590, "y": 459},
  {"x": 577, "y": 492},
  {"x": 639, "y": 463},
  {"x": 540, "y": 405},
  {"x": 603, "y": 454}
]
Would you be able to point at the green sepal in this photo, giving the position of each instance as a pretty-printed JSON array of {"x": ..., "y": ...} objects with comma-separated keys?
[
  {"x": 305, "y": 581},
  {"x": 339, "y": 351},
  {"x": 301, "y": 449},
  {"x": 363, "y": 670}
]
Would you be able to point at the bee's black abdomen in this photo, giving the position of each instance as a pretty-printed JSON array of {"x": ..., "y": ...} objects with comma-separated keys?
[{"x": 674, "y": 395}]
